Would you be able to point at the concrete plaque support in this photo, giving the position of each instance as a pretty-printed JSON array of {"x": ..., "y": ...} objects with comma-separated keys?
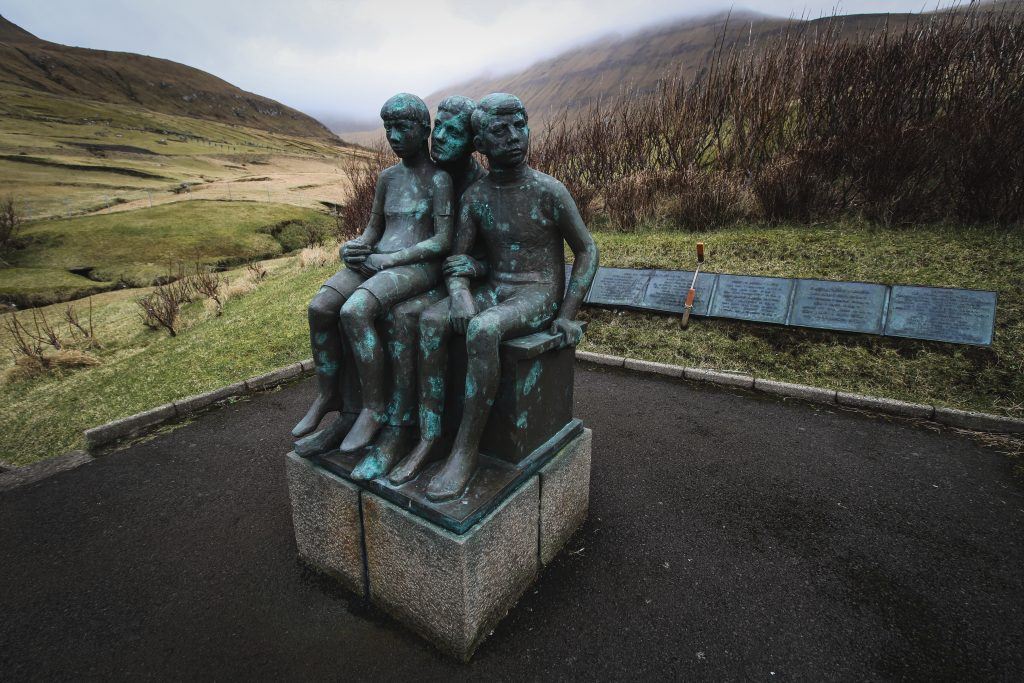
[{"x": 451, "y": 588}]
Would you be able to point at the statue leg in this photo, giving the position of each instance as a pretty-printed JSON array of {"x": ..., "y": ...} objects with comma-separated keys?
[
  {"x": 526, "y": 311},
  {"x": 326, "y": 343},
  {"x": 399, "y": 328},
  {"x": 434, "y": 332},
  {"x": 357, "y": 321}
]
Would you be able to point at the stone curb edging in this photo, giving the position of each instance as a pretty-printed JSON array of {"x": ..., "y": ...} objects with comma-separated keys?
[
  {"x": 951, "y": 417},
  {"x": 138, "y": 424},
  {"x": 99, "y": 437},
  {"x": 19, "y": 476}
]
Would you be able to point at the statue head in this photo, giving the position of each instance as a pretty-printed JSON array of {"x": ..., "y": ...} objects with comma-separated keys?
[
  {"x": 500, "y": 130},
  {"x": 452, "y": 138},
  {"x": 406, "y": 123}
]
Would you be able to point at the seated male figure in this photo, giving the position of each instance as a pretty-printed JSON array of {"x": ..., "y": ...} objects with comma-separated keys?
[
  {"x": 522, "y": 218},
  {"x": 397, "y": 257}
]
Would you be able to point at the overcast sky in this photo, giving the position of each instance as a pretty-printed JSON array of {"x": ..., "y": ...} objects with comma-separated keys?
[{"x": 345, "y": 57}]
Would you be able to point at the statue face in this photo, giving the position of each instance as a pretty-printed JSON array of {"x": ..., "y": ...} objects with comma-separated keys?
[
  {"x": 405, "y": 136},
  {"x": 452, "y": 138},
  {"x": 505, "y": 139}
]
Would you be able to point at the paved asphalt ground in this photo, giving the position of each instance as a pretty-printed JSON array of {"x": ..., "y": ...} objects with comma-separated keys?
[{"x": 730, "y": 537}]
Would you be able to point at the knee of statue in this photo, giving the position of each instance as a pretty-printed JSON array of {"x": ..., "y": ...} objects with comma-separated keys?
[
  {"x": 482, "y": 335},
  {"x": 432, "y": 321},
  {"x": 322, "y": 310},
  {"x": 357, "y": 309}
]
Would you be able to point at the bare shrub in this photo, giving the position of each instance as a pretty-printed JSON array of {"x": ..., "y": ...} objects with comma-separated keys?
[
  {"x": 81, "y": 332},
  {"x": 258, "y": 272},
  {"x": 25, "y": 344},
  {"x": 908, "y": 124},
  {"x": 30, "y": 349},
  {"x": 703, "y": 200},
  {"x": 352, "y": 215},
  {"x": 161, "y": 308},
  {"x": 209, "y": 284}
]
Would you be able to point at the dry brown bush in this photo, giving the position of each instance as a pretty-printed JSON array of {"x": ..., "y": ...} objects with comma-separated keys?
[
  {"x": 30, "y": 367},
  {"x": 318, "y": 256},
  {"x": 916, "y": 123},
  {"x": 209, "y": 284},
  {"x": 352, "y": 215}
]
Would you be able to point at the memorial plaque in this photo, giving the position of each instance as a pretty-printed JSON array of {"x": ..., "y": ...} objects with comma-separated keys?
[
  {"x": 744, "y": 297},
  {"x": 844, "y": 306},
  {"x": 619, "y": 287},
  {"x": 960, "y": 316},
  {"x": 667, "y": 291}
]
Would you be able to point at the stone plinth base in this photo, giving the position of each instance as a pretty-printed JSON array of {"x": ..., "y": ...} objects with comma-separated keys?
[{"x": 450, "y": 588}]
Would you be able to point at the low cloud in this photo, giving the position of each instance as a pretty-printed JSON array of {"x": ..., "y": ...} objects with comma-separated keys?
[{"x": 344, "y": 58}]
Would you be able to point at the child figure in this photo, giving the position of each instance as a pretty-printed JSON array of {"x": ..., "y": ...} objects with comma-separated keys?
[{"x": 398, "y": 256}]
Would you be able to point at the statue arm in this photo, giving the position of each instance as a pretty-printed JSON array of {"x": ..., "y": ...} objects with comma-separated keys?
[
  {"x": 355, "y": 252},
  {"x": 584, "y": 249},
  {"x": 465, "y": 236},
  {"x": 440, "y": 243}
]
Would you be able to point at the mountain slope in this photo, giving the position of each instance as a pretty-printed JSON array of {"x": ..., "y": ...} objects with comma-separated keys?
[
  {"x": 614, "y": 66},
  {"x": 149, "y": 82}
]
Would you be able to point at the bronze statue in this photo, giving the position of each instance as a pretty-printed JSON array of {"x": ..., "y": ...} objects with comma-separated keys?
[
  {"x": 521, "y": 219},
  {"x": 451, "y": 148},
  {"x": 398, "y": 256}
]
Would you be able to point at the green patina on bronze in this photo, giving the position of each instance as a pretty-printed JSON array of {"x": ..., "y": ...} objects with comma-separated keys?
[{"x": 503, "y": 278}]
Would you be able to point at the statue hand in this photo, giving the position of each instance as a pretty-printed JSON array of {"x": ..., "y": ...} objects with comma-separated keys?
[
  {"x": 462, "y": 310},
  {"x": 570, "y": 331},
  {"x": 355, "y": 251},
  {"x": 374, "y": 263},
  {"x": 463, "y": 265}
]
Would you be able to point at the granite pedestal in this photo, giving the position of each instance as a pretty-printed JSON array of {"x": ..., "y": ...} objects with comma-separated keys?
[{"x": 451, "y": 588}]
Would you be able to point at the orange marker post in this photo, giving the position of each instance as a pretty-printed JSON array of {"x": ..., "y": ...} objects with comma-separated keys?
[{"x": 693, "y": 287}]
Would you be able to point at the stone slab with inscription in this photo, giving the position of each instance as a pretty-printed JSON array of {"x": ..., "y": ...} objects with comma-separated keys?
[
  {"x": 745, "y": 297},
  {"x": 843, "y": 306},
  {"x": 667, "y": 290},
  {"x": 619, "y": 287},
  {"x": 960, "y": 316}
]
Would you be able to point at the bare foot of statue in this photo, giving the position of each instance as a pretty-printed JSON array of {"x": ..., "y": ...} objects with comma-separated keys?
[
  {"x": 362, "y": 432},
  {"x": 321, "y": 406},
  {"x": 426, "y": 451},
  {"x": 451, "y": 481},
  {"x": 392, "y": 442},
  {"x": 327, "y": 439}
]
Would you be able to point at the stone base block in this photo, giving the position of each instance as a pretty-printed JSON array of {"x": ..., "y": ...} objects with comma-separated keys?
[
  {"x": 452, "y": 589},
  {"x": 328, "y": 528},
  {"x": 564, "y": 495}
]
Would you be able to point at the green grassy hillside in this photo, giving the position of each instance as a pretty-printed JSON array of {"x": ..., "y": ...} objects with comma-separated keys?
[
  {"x": 62, "y": 155},
  {"x": 134, "y": 248},
  {"x": 267, "y": 328},
  {"x": 122, "y": 78}
]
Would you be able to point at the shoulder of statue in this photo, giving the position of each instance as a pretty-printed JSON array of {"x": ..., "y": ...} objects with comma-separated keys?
[
  {"x": 389, "y": 173},
  {"x": 441, "y": 179}
]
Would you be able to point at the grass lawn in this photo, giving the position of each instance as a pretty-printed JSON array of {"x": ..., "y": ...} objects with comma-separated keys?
[
  {"x": 140, "y": 369},
  {"x": 266, "y": 329},
  {"x": 135, "y": 247},
  {"x": 36, "y": 286},
  {"x": 987, "y": 379}
]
